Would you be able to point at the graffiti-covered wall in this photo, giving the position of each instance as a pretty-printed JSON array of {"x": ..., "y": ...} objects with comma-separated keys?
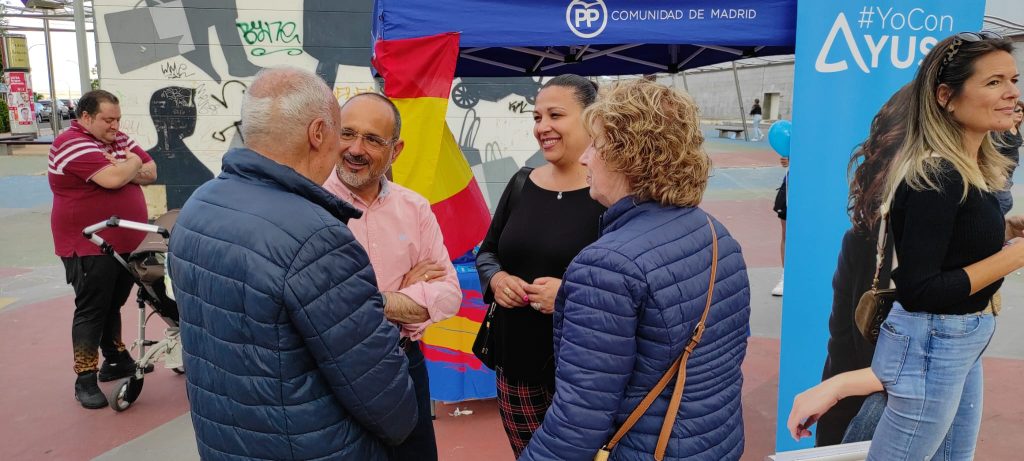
[{"x": 180, "y": 68}]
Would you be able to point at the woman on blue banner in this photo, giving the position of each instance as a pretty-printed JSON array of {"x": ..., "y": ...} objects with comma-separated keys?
[
  {"x": 536, "y": 231},
  {"x": 949, "y": 237},
  {"x": 631, "y": 301},
  {"x": 848, "y": 350}
]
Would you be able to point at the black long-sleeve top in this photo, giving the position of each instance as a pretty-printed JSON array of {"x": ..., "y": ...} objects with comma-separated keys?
[
  {"x": 937, "y": 236},
  {"x": 537, "y": 236}
]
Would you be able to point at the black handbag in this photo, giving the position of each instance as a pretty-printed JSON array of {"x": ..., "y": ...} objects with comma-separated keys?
[
  {"x": 875, "y": 304},
  {"x": 483, "y": 345}
]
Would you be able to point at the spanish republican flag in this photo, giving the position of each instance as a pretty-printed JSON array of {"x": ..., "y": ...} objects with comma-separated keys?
[{"x": 418, "y": 76}]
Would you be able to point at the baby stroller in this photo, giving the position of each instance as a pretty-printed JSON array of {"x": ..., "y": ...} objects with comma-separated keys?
[{"x": 146, "y": 265}]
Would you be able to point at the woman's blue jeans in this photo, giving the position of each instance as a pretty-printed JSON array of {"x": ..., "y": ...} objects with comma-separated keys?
[{"x": 930, "y": 366}]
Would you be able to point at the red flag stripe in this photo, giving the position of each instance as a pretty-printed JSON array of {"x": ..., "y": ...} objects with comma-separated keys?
[
  {"x": 418, "y": 67},
  {"x": 463, "y": 218}
]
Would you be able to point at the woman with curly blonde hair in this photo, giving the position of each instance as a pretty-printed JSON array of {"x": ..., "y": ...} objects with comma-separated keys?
[{"x": 632, "y": 302}]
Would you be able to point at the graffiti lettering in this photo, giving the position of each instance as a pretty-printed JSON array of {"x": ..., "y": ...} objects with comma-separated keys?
[
  {"x": 177, "y": 95},
  {"x": 519, "y": 107},
  {"x": 211, "y": 104},
  {"x": 259, "y": 51},
  {"x": 203, "y": 104},
  {"x": 222, "y": 136},
  {"x": 343, "y": 93},
  {"x": 129, "y": 127},
  {"x": 132, "y": 127},
  {"x": 261, "y": 32},
  {"x": 174, "y": 70},
  {"x": 224, "y": 89},
  {"x": 126, "y": 99}
]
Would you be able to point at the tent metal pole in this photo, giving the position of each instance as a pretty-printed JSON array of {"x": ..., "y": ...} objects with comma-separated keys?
[
  {"x": 739, "y": 99},
  {"x": 690, "y": 58},
  {"x": 543, "y": 54},
  {"x": 660, "y": 67},
  {"x": 493, "y": 63},
  {"x": 724, "y": 49},
  {"x": 592, "y": 55},
  {"x": 582, "y": 50},
  {"x": 685, "y": 85}
]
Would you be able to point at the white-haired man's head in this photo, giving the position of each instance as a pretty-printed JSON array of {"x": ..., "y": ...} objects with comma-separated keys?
[{"x": 291, "y": 116}]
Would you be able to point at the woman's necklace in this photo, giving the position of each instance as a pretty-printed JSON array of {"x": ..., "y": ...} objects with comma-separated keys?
[{"x": 559, "y": 195}]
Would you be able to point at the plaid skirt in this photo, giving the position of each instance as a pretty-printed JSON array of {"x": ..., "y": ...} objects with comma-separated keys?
[{"x": 522, "y": 406}]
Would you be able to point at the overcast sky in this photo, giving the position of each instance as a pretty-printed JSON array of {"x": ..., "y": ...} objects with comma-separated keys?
[{"x": 65, "y": 55}]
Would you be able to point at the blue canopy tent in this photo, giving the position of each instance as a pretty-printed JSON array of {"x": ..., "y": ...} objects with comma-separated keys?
[
  {"x": 596, "y": 37},
  {"x": 501, "y": 38}
]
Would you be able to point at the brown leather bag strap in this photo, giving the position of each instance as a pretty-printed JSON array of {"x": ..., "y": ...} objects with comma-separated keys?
[{"x": 677, "y": 370}]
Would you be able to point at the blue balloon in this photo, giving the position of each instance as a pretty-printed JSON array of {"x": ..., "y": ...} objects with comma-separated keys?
[{"x": 779, "y": 135}]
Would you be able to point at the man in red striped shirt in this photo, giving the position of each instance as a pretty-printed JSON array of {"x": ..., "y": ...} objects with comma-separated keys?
[{"x": 95, "y": 172}]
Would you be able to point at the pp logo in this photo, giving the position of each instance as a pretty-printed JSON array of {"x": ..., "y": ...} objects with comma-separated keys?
[{"x": 586, "y": 20}]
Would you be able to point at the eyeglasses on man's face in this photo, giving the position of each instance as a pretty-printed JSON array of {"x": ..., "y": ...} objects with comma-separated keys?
[{"x": 372, "y": 141}]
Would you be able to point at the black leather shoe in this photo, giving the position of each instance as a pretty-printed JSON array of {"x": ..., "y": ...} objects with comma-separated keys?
[
  {"x": 123, "y": 368},
  {"x": 88, "y": 393}
]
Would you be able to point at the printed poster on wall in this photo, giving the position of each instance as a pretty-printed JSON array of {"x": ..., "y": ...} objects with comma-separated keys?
[{"x": 20, "y": 104}]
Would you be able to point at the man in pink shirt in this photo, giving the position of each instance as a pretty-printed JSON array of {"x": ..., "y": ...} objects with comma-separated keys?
[
  {"x": 404, "y": 242},
  {"x": 95, "y": 172}
]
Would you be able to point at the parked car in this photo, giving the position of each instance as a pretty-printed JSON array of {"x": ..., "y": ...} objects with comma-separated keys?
[
  {"x": 43, "y": 112},
  {"x": 63, "y": 110},
  {"x": 70, "y": 104}
]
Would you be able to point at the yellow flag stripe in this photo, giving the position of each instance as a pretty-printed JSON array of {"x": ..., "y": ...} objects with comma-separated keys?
[
  {"x": 456, "y": 333},
  {"x": 436, "y": 173}
]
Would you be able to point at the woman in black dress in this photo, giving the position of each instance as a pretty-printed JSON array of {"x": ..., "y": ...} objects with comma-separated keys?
[{"x": 532, "y": 239}]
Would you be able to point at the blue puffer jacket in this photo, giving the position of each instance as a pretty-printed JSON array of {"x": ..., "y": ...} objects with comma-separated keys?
[
  {"x": 627, "y": 307},
  {"x": 287, "y": 351}
]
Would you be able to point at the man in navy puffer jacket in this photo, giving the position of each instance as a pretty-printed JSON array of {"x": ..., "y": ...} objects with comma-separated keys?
[{"x": 287, "y": 351}]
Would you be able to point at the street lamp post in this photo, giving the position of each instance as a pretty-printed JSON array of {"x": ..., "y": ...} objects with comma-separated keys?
[
  {"x": 55, "y": 119},
  {"x": 83, "y": 55}
]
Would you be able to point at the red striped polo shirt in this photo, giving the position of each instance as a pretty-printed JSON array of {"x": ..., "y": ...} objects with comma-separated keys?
[{"x": 75, "y": 157}]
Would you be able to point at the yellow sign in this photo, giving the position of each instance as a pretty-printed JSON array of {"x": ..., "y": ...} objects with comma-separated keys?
[{"x": 16, "y": 52}]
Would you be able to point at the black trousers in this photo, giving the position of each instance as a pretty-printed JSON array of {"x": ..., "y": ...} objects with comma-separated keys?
[
  {"x": 421, "y": 445},
  {"x": 101, "y": 286}
]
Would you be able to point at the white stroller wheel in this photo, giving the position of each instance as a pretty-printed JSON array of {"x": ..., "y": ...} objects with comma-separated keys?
[
  {"x": 117, "y": 399},
  {"x": 124, "y": 395}
]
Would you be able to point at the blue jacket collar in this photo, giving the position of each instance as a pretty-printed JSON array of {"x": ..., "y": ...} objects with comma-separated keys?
[
  {"x": 622, "y": 212},
  {"x": 615, "y": 216},
  {"x": 248, "y": 165}
]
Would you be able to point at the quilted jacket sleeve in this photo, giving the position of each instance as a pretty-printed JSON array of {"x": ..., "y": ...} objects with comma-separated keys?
[
  {"x": 332, "y": 300},
  {"x": 596, "y": 354}
]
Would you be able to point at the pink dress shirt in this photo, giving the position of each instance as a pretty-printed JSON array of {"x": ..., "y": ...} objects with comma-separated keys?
[{"x": 398, "y": 231}]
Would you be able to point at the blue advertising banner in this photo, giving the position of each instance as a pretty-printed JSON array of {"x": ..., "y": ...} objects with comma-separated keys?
[{"x": 851, "y": 57}]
